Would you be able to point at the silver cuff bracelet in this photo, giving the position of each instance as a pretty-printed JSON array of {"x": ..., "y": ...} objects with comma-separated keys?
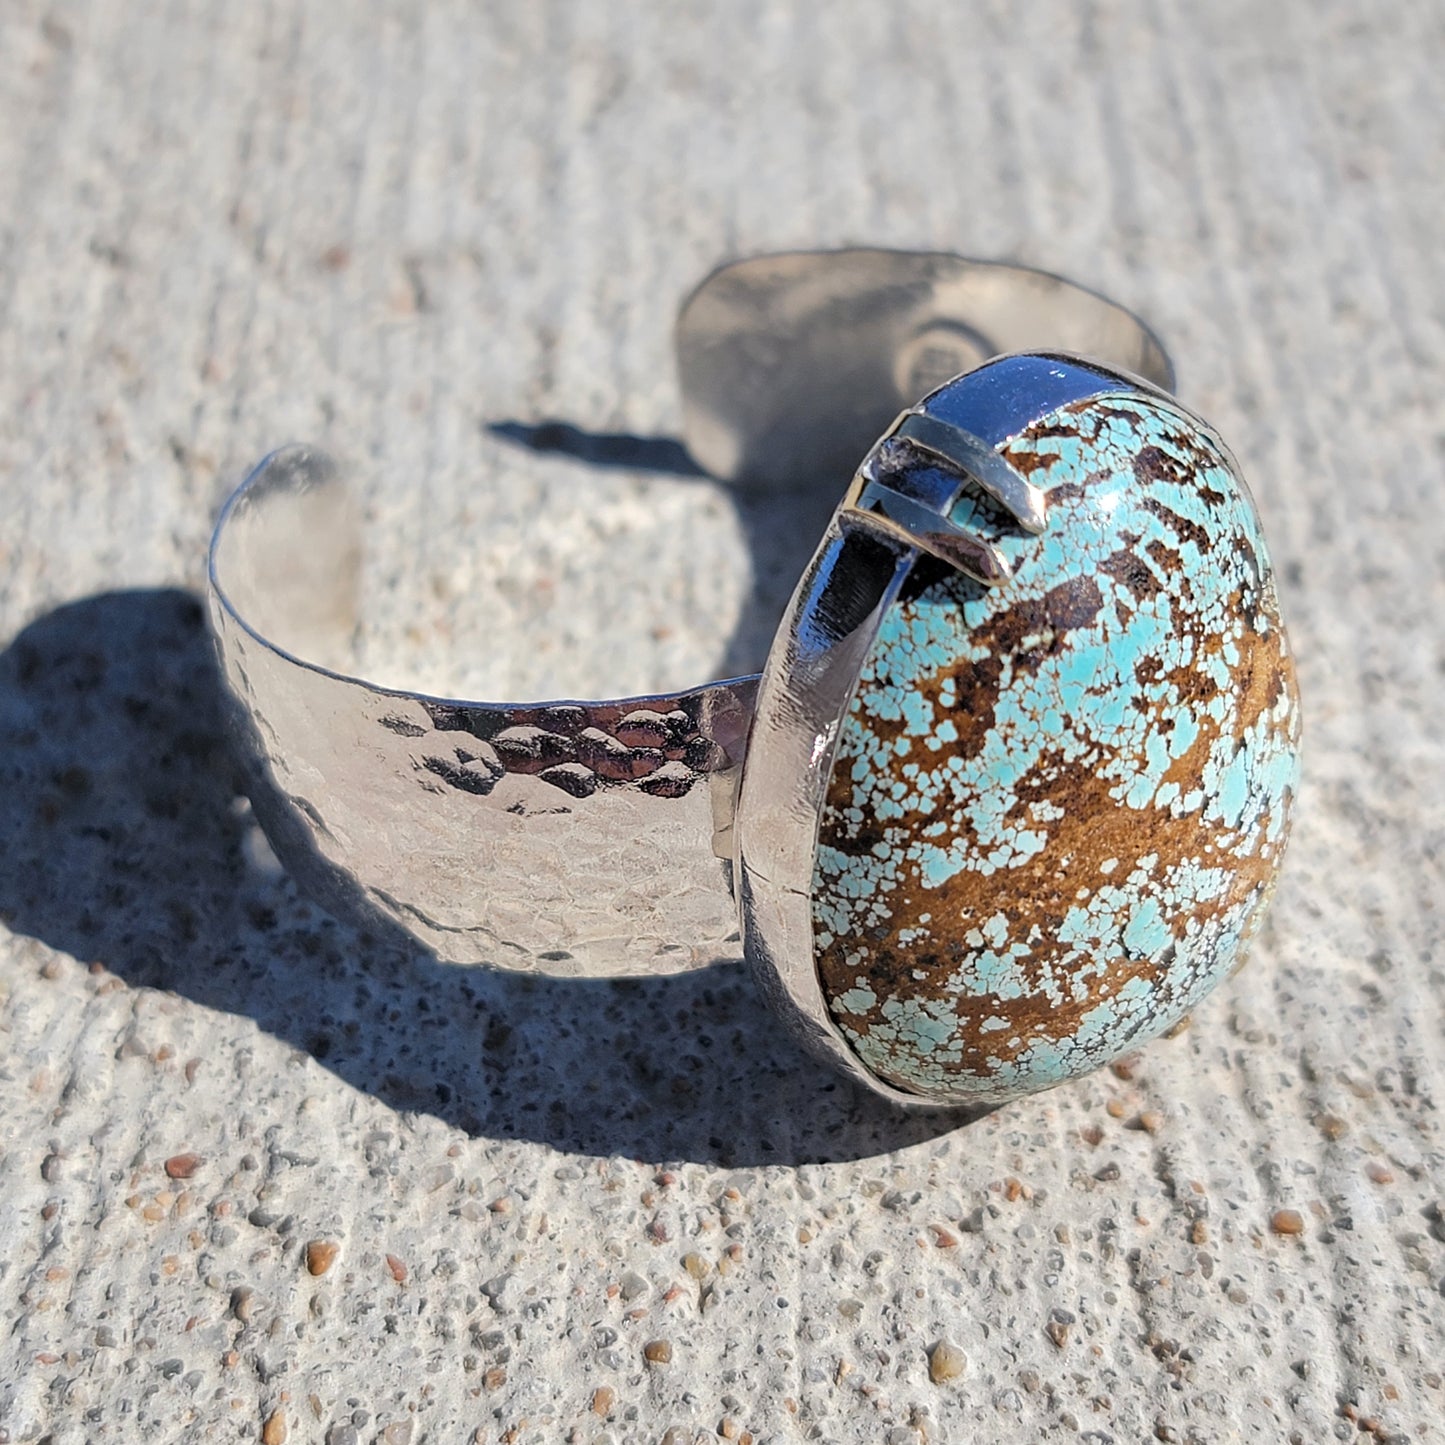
[{"x": 1011, "y": 791}]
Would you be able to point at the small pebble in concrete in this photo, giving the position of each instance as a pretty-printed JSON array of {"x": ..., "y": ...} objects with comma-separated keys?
[
  {"x": 182, "y": 1166},
  {"x": 321, "y": 1255},
  {"x": 274, "y": 1431},
  {"x": 945, "y": 1362},
  {"x": 657, "y": 1352},
  {"x": 1287, "y": 1221}
]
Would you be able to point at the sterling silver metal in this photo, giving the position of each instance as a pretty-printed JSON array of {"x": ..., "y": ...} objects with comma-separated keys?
[
  {"x": 791, "y": 366},
  {"x": 565, "y": 837},
  {"x": 602, "y": 838},
  {"x": 881, "y": 500}
]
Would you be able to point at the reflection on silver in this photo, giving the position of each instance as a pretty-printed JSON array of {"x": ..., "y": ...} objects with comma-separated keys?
[
  {"x": 886, "y": 500},
  {"x": 575, "y": 838},
  {"x": 977, "y": 462},
  {"x": 898, "y": 518},
  {"x": 592, "y": 838},
  {"x": 793, "y": 365}
]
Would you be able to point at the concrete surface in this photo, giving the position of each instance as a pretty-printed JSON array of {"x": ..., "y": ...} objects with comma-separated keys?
[{"x": 601, "y": 1213}]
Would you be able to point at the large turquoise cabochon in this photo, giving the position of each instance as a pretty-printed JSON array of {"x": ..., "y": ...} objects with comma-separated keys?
[{"x": 1057, "y": 807}]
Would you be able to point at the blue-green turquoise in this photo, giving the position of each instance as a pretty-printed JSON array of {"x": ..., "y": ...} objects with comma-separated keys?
[{"x": 1057, "y": 806}]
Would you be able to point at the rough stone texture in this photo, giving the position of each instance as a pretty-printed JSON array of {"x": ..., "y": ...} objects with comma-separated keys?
[{"x": 595, "y": 1212}]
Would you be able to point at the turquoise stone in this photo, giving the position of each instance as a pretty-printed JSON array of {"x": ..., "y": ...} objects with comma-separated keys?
[{"x": 1057, "y": 806}]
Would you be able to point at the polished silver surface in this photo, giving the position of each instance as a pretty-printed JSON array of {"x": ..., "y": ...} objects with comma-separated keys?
[
  {"x": 792, "y": 365},
  {"x": 894, "y": 517},
  {"x": 805, "y": 691},
  {"x": 881, "y": 499},
  {"x": 975, "y": 461},
  {"x": 569, "y": 838},
  {"x": 591, "y": 838}
]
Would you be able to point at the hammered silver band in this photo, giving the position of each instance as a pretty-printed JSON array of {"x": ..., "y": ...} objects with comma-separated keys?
[{"x": 592, "y": 837}]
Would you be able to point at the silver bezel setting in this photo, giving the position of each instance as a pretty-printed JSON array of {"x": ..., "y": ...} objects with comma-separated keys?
[{"x": 808, "y": 684}]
